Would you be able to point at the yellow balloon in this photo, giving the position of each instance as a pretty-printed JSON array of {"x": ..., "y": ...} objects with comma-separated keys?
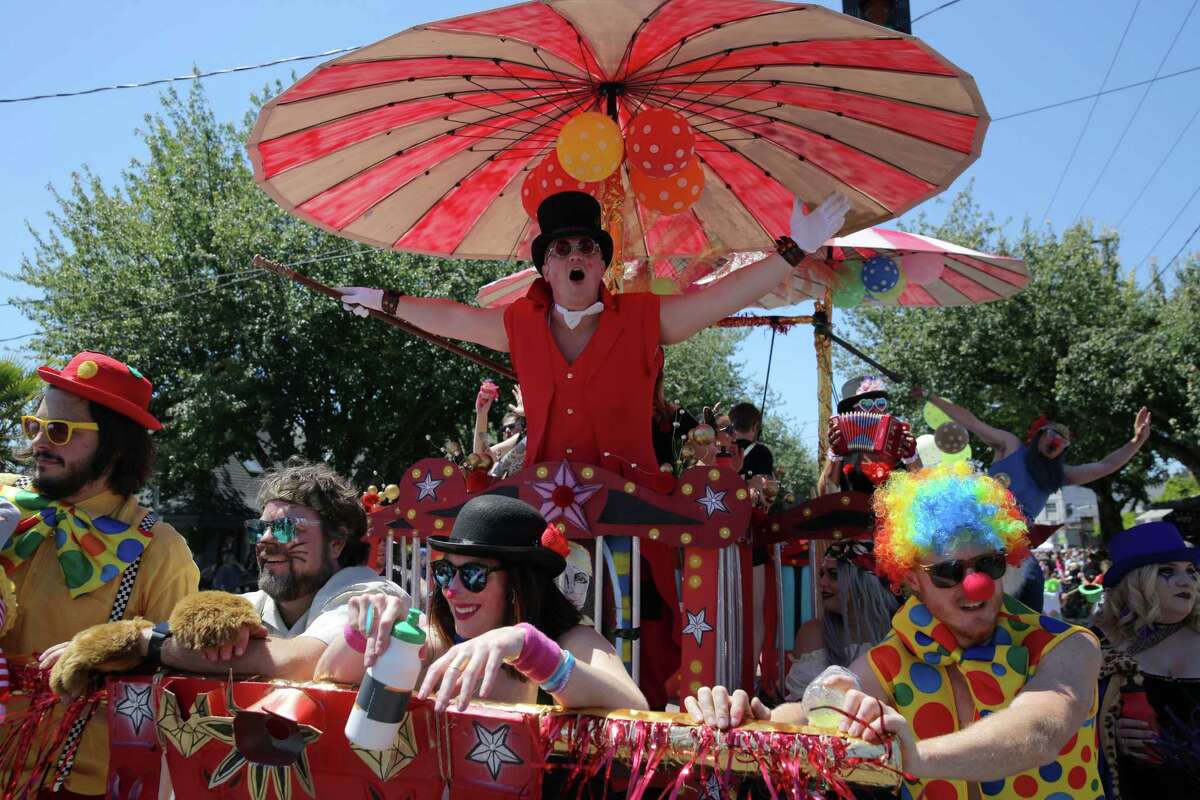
[{"x": 590, "y": 147}]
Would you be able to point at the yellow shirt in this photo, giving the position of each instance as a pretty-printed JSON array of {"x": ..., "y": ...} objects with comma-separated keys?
[{"x": 46, "y": 614}]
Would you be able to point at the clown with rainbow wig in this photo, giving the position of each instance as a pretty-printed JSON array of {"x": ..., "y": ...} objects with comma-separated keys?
[{"x": 984, "y": 696}]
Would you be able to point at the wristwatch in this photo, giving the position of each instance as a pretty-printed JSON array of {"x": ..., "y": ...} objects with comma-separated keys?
[{"x": 158, "y": 634}]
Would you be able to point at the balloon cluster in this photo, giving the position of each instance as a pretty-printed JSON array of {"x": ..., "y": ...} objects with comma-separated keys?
[
  {"x": 659, "y": 147},
  {"x": 882, "y": 279},
  {"x": 948, "y": 443},
  {"x": 373, "y": 499}
]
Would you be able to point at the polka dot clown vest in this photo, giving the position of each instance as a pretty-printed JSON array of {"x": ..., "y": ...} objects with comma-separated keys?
[{"x": 911, "y": 665}]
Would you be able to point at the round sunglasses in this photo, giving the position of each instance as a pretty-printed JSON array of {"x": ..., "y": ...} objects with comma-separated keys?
[
  {"x": 284, "y": 529},
  {"x": 948, "y": 574},
  {"x": 474, "y": 575},
  {"x": 563, "y": 247}
]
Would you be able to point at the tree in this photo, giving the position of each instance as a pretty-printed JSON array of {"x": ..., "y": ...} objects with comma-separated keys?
[
  {"x": 18, "y": 388},
  {"x": 1179, "y": 486},
  {"x": 1079, "y": 344},
  {"x": 156, "y": 271}
]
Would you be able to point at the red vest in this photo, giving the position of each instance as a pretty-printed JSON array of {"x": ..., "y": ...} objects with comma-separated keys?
[{"x": 600, "y": 403}]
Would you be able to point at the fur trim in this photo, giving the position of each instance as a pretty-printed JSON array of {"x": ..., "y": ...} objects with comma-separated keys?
[
  {"x": 211, "y": 619},
  {"x": 111, "y": 647}
]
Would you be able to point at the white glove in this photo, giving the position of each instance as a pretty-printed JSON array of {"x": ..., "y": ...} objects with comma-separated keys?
[
  {"x": 10, "y": 515},
  {"x": 811, "y": 231},
  {"x": 358, "y": 299}
]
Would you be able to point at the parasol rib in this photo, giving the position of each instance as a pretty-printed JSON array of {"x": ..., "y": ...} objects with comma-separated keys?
[{"x": 285, "y": 271}]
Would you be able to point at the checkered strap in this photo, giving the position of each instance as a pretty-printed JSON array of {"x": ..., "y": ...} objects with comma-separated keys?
[{"x": 66, "y": 759}]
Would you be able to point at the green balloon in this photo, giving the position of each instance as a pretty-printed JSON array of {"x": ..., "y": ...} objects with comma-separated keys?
[
  {"x": 934, "y": 416},
  {"x": 849, "y": 291}
]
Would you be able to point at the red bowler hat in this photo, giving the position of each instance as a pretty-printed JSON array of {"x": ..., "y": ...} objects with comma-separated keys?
[{"x": 104, "y": 380}]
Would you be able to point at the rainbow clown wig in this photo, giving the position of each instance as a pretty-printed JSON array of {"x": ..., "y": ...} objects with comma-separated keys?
[{"x": 928, "y": 514}]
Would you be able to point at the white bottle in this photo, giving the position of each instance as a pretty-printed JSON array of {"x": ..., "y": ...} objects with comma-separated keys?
[{"x": 387, "y": 685}]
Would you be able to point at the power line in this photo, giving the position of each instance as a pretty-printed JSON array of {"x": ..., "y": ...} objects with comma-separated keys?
[
  {"x": 1133, "y": 116},
  {"x": 1087, "y": 122},
  {"x": 1158, "y": 169},
  {"x": 1178, "y": 252},
  {"x": 1167, "y": 230},
  {"x": 935, "y": 10},
  {"x": 1081, "y": 98},
  {"x": 194, "y": 76}
]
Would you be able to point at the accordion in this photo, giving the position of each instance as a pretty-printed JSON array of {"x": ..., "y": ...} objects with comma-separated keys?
[{"x": 868, "y": 432}]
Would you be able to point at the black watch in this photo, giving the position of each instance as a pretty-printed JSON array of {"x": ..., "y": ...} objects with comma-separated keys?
[{"x": 158, "y": 634}]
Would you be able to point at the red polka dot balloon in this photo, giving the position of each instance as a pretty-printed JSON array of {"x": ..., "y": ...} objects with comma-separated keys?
[
  {"x": 548, "y": 178},
  {"x": 672, "y": 195},
  {"x": 659, "y": 142}
]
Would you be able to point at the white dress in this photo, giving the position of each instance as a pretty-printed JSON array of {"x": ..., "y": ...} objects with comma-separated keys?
[{"x": 808, "y": 666}]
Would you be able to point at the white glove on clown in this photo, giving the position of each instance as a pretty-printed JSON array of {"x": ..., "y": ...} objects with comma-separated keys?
[
  {"x": 810, "y": 231},
  {"x": 9, "y": 517},
  {"x": 358, "y": 299}
]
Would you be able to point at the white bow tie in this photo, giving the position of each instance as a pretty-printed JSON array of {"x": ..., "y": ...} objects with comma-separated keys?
[{"x": 573, "y": 318}]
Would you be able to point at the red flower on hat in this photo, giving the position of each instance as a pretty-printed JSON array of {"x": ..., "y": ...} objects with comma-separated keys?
[{"x": 554, "y": 539}]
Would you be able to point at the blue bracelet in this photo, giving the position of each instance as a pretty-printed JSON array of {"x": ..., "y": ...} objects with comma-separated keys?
[{"x": 555, "y": 683}]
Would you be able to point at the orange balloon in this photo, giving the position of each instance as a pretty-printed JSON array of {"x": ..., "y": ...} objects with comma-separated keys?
[
  {"x": 660, "y": 142},
  {"x": 590, "y": 147},
  {"x": 548, "y": 178},
  {"x": 672, "y": 195}
]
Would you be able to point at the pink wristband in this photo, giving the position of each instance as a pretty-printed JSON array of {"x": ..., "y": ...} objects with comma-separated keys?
[
  {"x": 355, "y": 638},
  {"x": 539, "y": 655}
]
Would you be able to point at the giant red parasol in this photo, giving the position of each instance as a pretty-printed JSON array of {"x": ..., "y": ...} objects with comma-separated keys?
[{"x": 420, "y": 142}]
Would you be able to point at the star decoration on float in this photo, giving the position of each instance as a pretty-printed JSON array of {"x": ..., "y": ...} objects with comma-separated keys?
[
  {"x": 428, "y": 487},
  {"x": 491, "y": 749},
  {"x": 134, "y": 706},
  {"x": 713, "y": 501},
  {"x": 697, "y": 626},
  {"x": 564, "y": 496}
]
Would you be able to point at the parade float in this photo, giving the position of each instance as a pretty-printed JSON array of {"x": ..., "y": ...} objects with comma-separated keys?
[{"x": 694, "y": 123}]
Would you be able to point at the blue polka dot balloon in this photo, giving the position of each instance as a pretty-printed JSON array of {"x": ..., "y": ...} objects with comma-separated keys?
[{"x": 879, "y": 274}]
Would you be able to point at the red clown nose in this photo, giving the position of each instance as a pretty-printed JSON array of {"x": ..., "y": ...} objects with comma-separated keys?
[{"x": 978, "y": 587}]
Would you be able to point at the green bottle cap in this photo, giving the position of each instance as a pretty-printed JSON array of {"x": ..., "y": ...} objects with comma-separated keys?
[{"x": 409, "y": 630}]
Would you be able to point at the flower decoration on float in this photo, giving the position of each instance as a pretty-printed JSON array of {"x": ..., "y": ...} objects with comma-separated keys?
[{"x": 370, "y": 499}]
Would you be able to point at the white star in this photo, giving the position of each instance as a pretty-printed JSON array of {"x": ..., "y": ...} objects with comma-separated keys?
[
  {"x": 428, "y": 487},
  {"x": 491, "y": 748},
  {"x": 134, "y": 705},
  {"x": 696, "y": 625},
  {"x": 713, "y": 501}
]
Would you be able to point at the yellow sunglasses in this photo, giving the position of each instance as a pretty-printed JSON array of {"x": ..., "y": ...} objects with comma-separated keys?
[{"x": 58, "y": 431}]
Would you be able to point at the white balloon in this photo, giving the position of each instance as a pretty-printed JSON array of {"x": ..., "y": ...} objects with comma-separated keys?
[{"x": 927, "y": 449}]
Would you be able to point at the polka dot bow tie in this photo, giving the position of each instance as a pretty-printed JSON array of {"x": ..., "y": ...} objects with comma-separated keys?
[{"x": 91, "y": 550}]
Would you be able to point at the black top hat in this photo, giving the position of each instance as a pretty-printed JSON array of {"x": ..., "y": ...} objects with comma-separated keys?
[
  {"x": 569, "y": 214},
  {"x": 865, "y": 387},
  {"x": 504, "y": 528}
]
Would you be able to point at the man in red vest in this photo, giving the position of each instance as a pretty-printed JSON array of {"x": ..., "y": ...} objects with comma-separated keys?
[{"x": 587, "y": 359}]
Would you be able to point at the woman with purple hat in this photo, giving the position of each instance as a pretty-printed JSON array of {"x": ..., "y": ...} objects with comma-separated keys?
[{"x": 1150, "y": 682}]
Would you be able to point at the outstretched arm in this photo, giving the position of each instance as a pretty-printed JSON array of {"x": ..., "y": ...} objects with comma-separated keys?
[
  {"x": 1044, "y": 715},
  {"x": 1086, "y": 473},
  {"x": 436, "y": 315},
  {"x": 1000, "y": 441},
  {"x": 688, "y": 314},
  {"x": 290, "y": 659}
]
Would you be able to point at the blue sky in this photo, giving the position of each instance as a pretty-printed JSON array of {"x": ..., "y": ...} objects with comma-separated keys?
[{"x": 1023, "y": 54}]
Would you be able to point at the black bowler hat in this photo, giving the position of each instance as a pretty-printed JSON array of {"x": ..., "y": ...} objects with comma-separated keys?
[
  {"x": 504, "y": 528},
  {"x": 569, "y": 214}
]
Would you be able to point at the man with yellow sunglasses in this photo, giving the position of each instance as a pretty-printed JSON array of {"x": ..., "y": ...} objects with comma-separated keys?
[{"x": 84, "y": 552}]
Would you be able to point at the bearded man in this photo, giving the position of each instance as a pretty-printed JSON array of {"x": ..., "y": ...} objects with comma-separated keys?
[{"x": 85, "y": 551}]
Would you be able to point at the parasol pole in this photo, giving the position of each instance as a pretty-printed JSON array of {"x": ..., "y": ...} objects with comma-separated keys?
[
  {"x": 262, "y": 262},
  {"x": 822, "y": 339},
  {"x": 822, "y": 321}
]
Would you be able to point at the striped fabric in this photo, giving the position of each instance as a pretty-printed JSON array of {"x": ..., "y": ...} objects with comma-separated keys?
[{"x": 420, "y": 142}]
